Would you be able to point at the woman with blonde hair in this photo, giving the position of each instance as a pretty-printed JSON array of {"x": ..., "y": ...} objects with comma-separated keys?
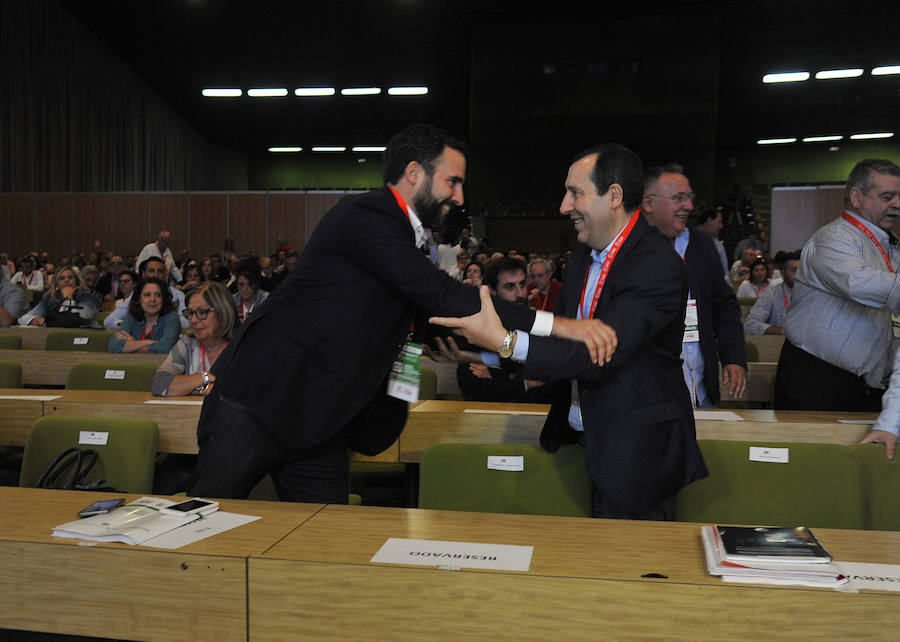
[{"x": 67, "y": 304}]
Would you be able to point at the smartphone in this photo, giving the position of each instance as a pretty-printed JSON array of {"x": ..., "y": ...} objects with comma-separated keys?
[
  {"x": 191, "y": 507},
  {"x": 101, "y": 507}
]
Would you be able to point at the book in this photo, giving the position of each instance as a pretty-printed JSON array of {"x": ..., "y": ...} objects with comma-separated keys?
[
  {"x": 133, "y": 523},
  {"x": 824, "y": 574},
  {"x": 763, "y": 543}
]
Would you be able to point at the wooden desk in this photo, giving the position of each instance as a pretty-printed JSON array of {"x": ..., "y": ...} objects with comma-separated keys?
[
  {"x": 34, "y": 337},
  {"x": 130, "y": 592},
  {"x": 17, "y": 415},
  {"x": 585, "y": 582},
  {"x": 432, "y": 422},
  {"x": 769, "y": 345},
  {"x": 50, "y": 368}
]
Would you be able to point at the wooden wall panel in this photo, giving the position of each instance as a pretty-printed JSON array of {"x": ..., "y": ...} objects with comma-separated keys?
[
  {"x": 17, "y": 224},
  {"x": 92, "y": 217},
  {"x": 287, "y": 219},
  {"x": 130, "y": 223},
  {"x": 316, "y": 207},
  {"x": 56, "y": 231},
  {"x": 208, "y": 217},
  {"x": 170, "y": 212},
  {"x": 247, "y": 222}
]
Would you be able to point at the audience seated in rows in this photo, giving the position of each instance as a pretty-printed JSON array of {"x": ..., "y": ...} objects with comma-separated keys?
[{"x": 768, "y": 314}]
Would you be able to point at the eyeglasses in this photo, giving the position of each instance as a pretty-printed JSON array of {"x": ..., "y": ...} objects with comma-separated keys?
[
  {"x": 201, "y": 313},
  {"x": 125, "y": 281},
  {"x": 678, "y": 198}
]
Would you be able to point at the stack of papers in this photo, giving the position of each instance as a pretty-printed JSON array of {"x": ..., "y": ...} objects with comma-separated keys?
[{"x": 764, "y": 555}]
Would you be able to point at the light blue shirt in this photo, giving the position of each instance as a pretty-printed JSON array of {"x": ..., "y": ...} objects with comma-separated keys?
[
  {"x": 889, "y": 419},
  {"x": 768, "y": 310},
  {"x": 692, "y": 366}
]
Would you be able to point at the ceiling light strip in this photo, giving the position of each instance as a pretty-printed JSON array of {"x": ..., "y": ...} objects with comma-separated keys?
[
  {"x": 361, "y": 91},
  {"x": 314, "y": 91},
  {"x": 821, "y": 139},
  {"x": 267, "y": 92},
  {"x": 775, "y": 141},
  {"x": 329, "y": 149},
  {"x": 873, "y": 135},
  {"x": 285, "y": 149},
  {"x": 829, "y": 74},
  {"x": 407, "y": 91},
  {"x": 793, "y": 76},
  {"x": 221, "y": 93},
  {"x": 886, "y": 71},
  {"x": 371, "y": 148}
]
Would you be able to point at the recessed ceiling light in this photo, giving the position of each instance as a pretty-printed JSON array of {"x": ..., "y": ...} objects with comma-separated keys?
[
  {"x": 821, "y": 139},
  {"x": 793, "y": 76},
  {"x": 875, "y": 135},
  {"x": 373, "y": 148},
  {"x": 222, "y": 93},
  {"x": 828, "y": 74},
  {"x": 361, "y": 91},
  {"x": 329, "y": 149},
  {"x": 314, "y": 91},
  {"x": 407, "y": 91},
  {"x": 886, "y": 71},
  {"x": 267, "y": 92},
  {"x": 775, "y": 141},
  {"x": 285, "y": 149}
]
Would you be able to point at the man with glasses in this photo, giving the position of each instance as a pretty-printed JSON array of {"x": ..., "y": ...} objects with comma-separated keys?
[
  {"x": 544, "y": 289},
  {"x": 713, "y": 318}
]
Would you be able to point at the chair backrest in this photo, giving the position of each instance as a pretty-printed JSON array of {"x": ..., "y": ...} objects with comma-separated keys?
[
  {"x": 125, "y": 460},
  {"x": 110, "y": 376},
  {"x": 428, "y": 384},
  {"x": 456, "y": 477},
  {"x": 881, "y": 487},
  {"x": 752, "y": 351},
  {"x": 78, "y": 340},
  {"x": 10, "y": 342},
  {"x": 819, "y": 486},
  {"x": 10, "y": 374}
]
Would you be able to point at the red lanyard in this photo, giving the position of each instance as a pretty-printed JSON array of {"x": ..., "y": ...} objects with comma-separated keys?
[
  {"x": 144, "y": 331},
  {"x": 787, "y": 304},
  {"x": 401, "y": 202},
  {"x": 204, "y": 364},
  {"x": 604, "y": 271},
  {"x": 30, "y": 279},
  {"x": 546, "y": 300},
  {"x": 871, "y": 236},
  {"x": 244, "y": 314}
]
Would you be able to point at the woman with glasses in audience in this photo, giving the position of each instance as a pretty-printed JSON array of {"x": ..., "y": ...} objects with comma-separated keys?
[
  {"x": 151, "y": 324},
  {"x": 67, "y": 304},
  {"x": 213, "y": 315}
]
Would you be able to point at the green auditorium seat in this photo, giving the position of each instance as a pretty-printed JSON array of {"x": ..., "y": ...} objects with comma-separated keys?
[
  {"x": 108, "y": 376},
  {"x": 820, "y": 486},
  {"x": 752, "y": 351},
  {"x": 125, "y": 461},
  {"x": 881, "y": 486},
  {"x": 78, "y": 340},
  {"x": 456, "y": 477},
  {"x": 10, "y": 374},
  {"x": 10, "y": 342}
]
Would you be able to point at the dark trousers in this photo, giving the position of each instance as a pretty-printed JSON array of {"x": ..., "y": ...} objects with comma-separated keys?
[
  {"x": 603, "y": 506},
  {"x": 237, "y": 451},
  {"x": 805, "y": 382}
]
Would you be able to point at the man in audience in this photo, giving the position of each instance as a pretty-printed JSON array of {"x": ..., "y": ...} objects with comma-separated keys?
[
  {"x": 29, "y": 279},
  {"x": 544, "y": 290},
  {"x": 712, "y": 325},
  {"x": 290, "y": 260},
  {"x": 108, "y": 285},
  {"x": 161, "y": 249},
  {"x": 12, "y": 303},
  {"x": 736, "y": 275},
  {"x": 306, "y": 376},
  {"x": 770, "y": 310},
  {"x": 152, "y": 268},
  {"x": 632, "y": 414},
  {"x": 840, "y": 333},
  {"x": 710, "y": 221}
]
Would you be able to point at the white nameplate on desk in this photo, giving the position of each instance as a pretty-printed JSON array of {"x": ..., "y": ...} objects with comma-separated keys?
[
  {"x": 31, "y": 397},
  {"x": 80, "y": 341},
  {"x": 114, "y": 374},
  {"x": 862, "y": 422},
  {"x": 878, "y": 577},
  {"x": 477, "y": 411},
  {"x": 776, "y": 455},
  {"x": 94, "y": 438},
  {"x": 453, "y": 555},
  {"x": 501, "y": 462},
  {"x": 173, "y": 402},
  {"x": 717, "y": 415}
]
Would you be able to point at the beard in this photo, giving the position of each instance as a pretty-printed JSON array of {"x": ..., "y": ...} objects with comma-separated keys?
[{"x": 427, "y": 207}]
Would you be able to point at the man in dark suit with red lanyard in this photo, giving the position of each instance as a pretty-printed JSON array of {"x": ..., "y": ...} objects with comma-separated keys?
[
  {"x": 632, "y": 414},
  {"x": 305, "y": 377}
]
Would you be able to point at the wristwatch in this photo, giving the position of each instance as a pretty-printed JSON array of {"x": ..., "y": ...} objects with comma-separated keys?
[
  {"x": 205, "y": 376},
  {"x": 506, "y": 349}
]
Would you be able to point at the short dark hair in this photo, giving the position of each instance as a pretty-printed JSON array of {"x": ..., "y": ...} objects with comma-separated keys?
[
  {"x": 497, "y": 266},
  {"x": 652, "y": 175},
  {"x": 134, "y": 307},
  {"x": 861, "y": 176},
  {"x": 148, "y": 261},
  {"x": 421, "y": 143},
  {"x": 792, "y": 256},
  {"x": 708, "y": 214},
  {"x": 617, "y": 164}
]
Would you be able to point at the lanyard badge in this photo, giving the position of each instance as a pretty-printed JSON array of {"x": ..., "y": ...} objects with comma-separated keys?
[{"x": 403, "y": 382}]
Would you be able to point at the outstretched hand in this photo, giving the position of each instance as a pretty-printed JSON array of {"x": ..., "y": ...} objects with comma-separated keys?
[
  {"x": 482, "y": 328},
  {"x": 449, "y": 352}
]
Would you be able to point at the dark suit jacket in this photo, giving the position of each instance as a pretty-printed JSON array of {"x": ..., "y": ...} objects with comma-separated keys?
[
  {"x": 639, "y": 425},
  {"x": 505, "y": 385},
  {"x": 313, "y": 359},
  {"x": 718, "y": 312}
]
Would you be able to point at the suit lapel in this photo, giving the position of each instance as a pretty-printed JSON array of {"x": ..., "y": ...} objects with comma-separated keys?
[{"x": 640, "y": 228}]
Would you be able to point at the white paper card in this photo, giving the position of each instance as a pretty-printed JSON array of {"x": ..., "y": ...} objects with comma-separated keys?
[
  {"x": 80, "y": 341},
  {"x": 499, "y": 462},
  {"x": 424, "y": 552},
  {"x": 879, "y": 577},
  {"x": 114, "y": 374},
  {"x": 30, "y": 397},
  {"x": 476, "y": 411},
  {"x": 173, "y": 402},
  {"x": 91, "y": 437},
  {"x": 776, "y": 455},
  {"x": 213, "y": 524},
  {"x": 862, "y": 422},
  {"x": 717, "y": 415}
]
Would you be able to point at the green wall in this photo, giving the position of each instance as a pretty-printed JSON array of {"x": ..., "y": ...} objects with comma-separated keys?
[{"x": 308, "y": 170}]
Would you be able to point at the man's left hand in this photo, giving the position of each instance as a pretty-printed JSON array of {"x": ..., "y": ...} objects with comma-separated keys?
[
  {"x": 735, "y": 377},
  {"x": 889, "y": 440}
]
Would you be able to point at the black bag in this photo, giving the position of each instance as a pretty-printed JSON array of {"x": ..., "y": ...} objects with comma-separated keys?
[
  {"x": 81, "y": 461},
  {"x": 63, "y": 319}
]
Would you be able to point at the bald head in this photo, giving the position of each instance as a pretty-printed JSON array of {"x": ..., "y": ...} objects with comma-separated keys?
[{"x": 164, "y": 240}]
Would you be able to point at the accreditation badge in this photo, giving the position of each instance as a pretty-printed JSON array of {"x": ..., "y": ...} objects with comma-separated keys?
[
  {"x": 403, "y": 382},
  {"x": 691, "y": 323}
]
